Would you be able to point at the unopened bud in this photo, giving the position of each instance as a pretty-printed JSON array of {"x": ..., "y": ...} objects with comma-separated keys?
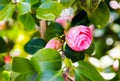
[
  {"x": 64, "y": 21},
  {"x": 54, "y": 43}
]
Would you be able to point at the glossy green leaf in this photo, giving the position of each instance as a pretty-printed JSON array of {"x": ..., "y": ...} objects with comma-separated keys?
[
  {"x": 23, "y": 8},
  {"x": 21, "y": 65},
  {"x": 26, "y": 77},
  {"x": 54, "y": 6},
  {"x": 67, "y": 3},
  {"x": 90, "y": 50},
  {"x": 73, "y": 55},
  {"x": 49, "y": 10},
  {"x": 79, "y": 76},
  {"x": 34, "y": 45},
  {"x": 88, "y": 71},
  {"x": 35, "y": 7},
  {"x": 53, "y": 30},
  {"x": 89, "y": 5},
  {"x": 32, "y": 2},
  {"x": 50, "y": 75},
  {"x": 45, "y": 59},
  {"x": 100, "y": 16},
  {"x": 45, "y": 14},
  {"x": 7, "y": 12},
  {"x": 28, "y": 21},
  {"x": 80, "y": 18},
  {"x": 3, "y": 45},
  {"x": 3, "y": 2}
]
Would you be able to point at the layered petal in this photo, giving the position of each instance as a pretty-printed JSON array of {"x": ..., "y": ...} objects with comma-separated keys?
[{"x": 79, "y": 38}]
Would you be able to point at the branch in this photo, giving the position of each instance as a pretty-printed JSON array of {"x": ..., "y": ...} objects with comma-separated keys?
[{"x": 43, "y": 26}]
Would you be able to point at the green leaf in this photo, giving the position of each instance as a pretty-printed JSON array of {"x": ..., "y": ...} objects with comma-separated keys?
[
  {"x": 53, "y": 30},
  {"x": 54, "y": 6},
  {"x": 10, "y": 45},
  {"x": 68, "y": 63},
  {"x": 46, "y": 59},
  {"x": 3, "y": 46},
  {"x": 80, "y": 18},
  {"x": 1, "y": 7},
  {"x": 50, "y": 75},
  {"x": 90, "y": 50},
  {"x": 28, "y": 21},
  {"x": 89, "y": 5},
  {"x": 21, "y": 65},
  {"x": 1, "y": 62},
  {"x": 45, "y": 14},
  {"x": 26, "y": 77},
  {"x": 4, "y": 76},
  {"x": 23, "y": 8},
  {"x": 7, "y": 12},
  {"x": 34, "y": 45},
  {"x": 2, "y": 68},
  {"x": 46, "y": 0},
  {"x": 3, "y": 2},
  {"x": 73, "y": 55},
  {"x": 49, "y": 10},
  {"x": 100, "y": 16},
  {"x": 32, "y": 2},
  {"x": 67, "y": 3},
  {"x": 88, "y": 71},
  {"x": 79, "y": 76}
]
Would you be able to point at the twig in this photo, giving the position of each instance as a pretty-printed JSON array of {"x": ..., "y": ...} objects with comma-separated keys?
[{"x": 43, "y": 26}]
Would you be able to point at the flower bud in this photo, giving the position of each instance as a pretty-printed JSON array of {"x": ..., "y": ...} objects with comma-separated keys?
[
  {"x": 92, "y": 28},
  {"x": 54, "y": 43},
  {"x": 7, "y": 59},
  {"x": 64, "y": 21},
  {"x": 79, "y": 38}
]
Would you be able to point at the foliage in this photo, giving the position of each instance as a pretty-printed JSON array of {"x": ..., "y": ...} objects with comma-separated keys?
[{"x": 26, "y": 26}]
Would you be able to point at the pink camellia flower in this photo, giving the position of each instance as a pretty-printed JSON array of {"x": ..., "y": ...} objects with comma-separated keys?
[
  {"x": 79, "y": 38},
  {"x": 64, "y": 21},
  {"x": 54, "y": 43}
]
